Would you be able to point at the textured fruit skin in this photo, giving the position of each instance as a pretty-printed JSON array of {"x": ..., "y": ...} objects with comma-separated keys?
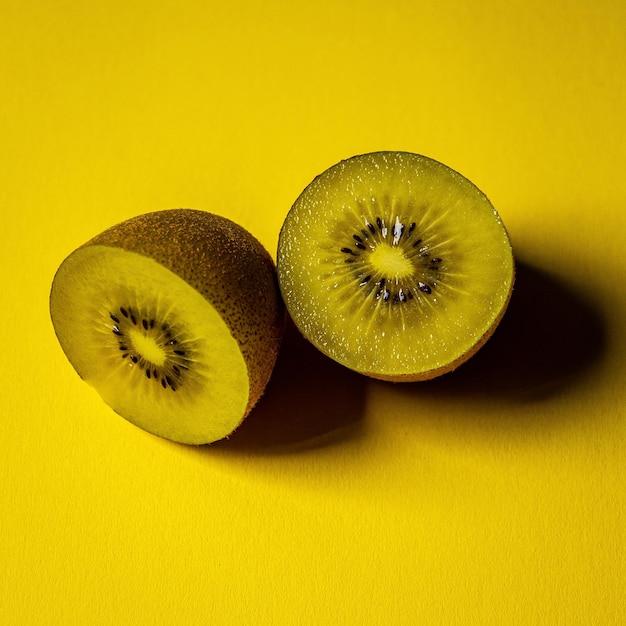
[{"x": 226, "y": 265}]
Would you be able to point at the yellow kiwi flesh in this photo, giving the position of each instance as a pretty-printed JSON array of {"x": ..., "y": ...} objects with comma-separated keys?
[
  {"x": 174, "y": 317},
  {"x": 395, "y": 265}
]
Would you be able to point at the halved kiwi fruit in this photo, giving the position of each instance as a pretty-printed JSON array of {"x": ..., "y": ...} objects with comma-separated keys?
[
  {"x": 395, "y": 265},
  {"x": 175, "y": 318}
]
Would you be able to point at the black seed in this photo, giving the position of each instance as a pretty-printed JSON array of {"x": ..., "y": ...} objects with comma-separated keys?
[
  {"x": 357, "y": 238},
  {"x": 117, "y": 331},
  {"x": 411, "y": 228},
  {"x": 423, "y": 255},
  {"x": 424, "y": 287},
  {"x": 417, "y": 243},
  {"x": 172, "y": 342},
  {"x": 115, "y": 319},
  {"x": 360, "y": 245},
  {"x": 124, "y": 355},
  {"x": 133, "y": 319},
  {"x": 151, "y": 323},
  {"x": 409, "y": 294},
  {"x": 144, "y": 323},
  {"x": 378, "y": 294},
  {"x": 179, "y": 352},
  {"x": 401, "y": 296},
  {"x": 350, "y": 261},
  {"x": 172, "y": 387},
  {"x": 169, "y": 381},
  {"x": 123, "y": 348},
  {"x": 123, "y": 311},
  {"x": 163, "y": 383},
  {"x": 382, "y": 282},
  {"x": 176, "y": 370},
  {"x": 347, "y": 250},
  {"x": 379, "y": 223},
  {"x": 133, "y": 358},
  {"x": 436, "y": 260},
  {"x": 371, "y": 227},
  {"x": 147, "y": 373},
  {"x": 364, "y": 281},
  {"x": 386, "y": 295}
]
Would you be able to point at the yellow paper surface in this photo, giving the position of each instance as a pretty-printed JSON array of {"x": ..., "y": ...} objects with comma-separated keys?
[{"x": 494, "y": 495}]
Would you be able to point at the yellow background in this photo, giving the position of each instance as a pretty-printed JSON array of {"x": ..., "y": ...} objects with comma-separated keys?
[{"x": 492, "y": 496}]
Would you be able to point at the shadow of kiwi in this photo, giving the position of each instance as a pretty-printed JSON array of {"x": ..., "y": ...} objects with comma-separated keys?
[
  {"x": 549, "y": 338},
  {"x": 310, "y": 402}
]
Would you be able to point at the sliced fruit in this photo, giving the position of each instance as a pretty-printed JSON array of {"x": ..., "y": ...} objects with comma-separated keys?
[
  {"x": 395, "y": 265},
  {"x": 175, "y": 318}
]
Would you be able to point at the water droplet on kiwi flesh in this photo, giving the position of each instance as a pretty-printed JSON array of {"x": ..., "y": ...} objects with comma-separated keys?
[
  {"x": 383, "y": 288},
  {"x": 178, "y": 353}
]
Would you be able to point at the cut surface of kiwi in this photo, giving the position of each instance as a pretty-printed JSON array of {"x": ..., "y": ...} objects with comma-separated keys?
[
  {"x": 395, "y": 265},
  {"x": 176, "y": 320}
]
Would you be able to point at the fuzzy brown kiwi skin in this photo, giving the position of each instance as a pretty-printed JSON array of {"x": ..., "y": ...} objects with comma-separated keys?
[
  {"x": 430, "y": 374},
  {"x": 206, "y": 250}
]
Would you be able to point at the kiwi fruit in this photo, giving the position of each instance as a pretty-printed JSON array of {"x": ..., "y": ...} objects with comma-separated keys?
[
  {"x": 395, "y": 265},
  {"x": 175, "y": 318}
]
